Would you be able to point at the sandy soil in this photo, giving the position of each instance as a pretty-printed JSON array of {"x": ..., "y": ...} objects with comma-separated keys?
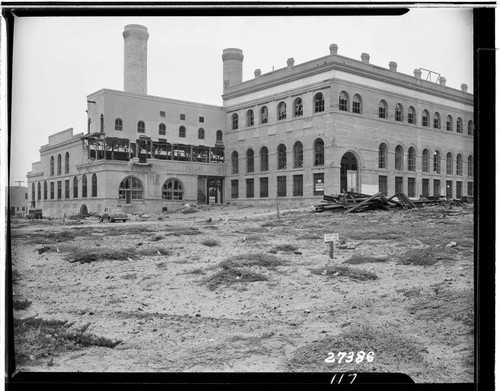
[{"x": 416, "y": 319}]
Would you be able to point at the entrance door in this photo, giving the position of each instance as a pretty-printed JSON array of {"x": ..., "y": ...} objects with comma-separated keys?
[
  {"x": 352, "y": 180},
  {"x": 214, "y": 191}
]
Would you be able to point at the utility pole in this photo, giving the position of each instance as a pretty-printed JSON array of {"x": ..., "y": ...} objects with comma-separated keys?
[{"x": 19, "y": 183}]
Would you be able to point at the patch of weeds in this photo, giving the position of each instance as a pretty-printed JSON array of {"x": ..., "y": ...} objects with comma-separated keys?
[
  {"x": 340, "y": 271},
  {"x": 274, "y": 223},
  {"x": 285, "y": 247},
  {"x": 254, "y": 238},
  {"x": 258, "y": 259},
  {"x": 154, "y": 251},
  {"x": 210, "y": 242},
  {"x": 390, "y": 348},
  {"x": 21, "y": 304},
  {"x": 229, "y": 276},
  {"x": 198, "y": 270},
  {"x": 179, "y": 231},
  {"x": 16, "y": 276},
  {"x": 99, "y": 254},
  {"x": 310, "y": 236},
  {"x": 190, "y": 210},
  {"x": 129, "y": 276},
  {"x": 357, "y": 259},
  {"x": 35, "y": 338},
  {"x": 43, "y": 237},
  {"x": 161, "y": 265},
  {"x": 422, "y": 257},
  {"x": 158, "y": 237},
  {"x": 373, "y": 235}
]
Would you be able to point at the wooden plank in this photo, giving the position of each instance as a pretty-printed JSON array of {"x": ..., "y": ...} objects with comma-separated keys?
[{"x": 356, "y": 207}]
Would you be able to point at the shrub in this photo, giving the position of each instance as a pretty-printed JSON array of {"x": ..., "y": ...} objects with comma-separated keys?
[
  {"x": 21, "y": 304},
  {"x": 210, "y": 242},
  {"x": 339, "y": 271},
  {"x": 357, "y": 259}
]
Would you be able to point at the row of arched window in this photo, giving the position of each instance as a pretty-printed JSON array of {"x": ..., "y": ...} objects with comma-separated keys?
[
  {"x": 411, "y": 164},
  {"x": 59, "y": 164},
  {"x": 410, "y": 116},
  {"x": 282, "y": 112},
  {"x": 53, "y": 195},
  {"x": 131, "y": 189},
  {"x": 281, "y": 153},
  {"x": 162, "y": 130}
]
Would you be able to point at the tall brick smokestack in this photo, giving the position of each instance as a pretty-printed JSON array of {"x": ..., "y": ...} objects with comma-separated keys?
[
  {"x": 135, "y": 59},
  {"x": 232, "y": 67}
]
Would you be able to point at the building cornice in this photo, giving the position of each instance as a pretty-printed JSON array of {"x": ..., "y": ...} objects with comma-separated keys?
[{"x": 50, "y": 147}]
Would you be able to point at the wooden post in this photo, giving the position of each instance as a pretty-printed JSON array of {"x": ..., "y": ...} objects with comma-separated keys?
[
  {"x": 331, "y": 249},
  {"x": 277, "y": 211}
]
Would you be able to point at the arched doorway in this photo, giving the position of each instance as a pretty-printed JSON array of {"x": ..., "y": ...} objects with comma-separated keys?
[
  {"x": 349, "y": 173},
  {"x": 83, "y": 210}
]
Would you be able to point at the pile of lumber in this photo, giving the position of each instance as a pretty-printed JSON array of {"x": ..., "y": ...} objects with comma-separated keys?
[{"x": 357, "y": 202}]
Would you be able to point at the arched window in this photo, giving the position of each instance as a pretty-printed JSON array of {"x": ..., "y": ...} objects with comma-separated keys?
[
  {"x": 382, "y": 156},
  {"x": 411, "y": 159},
  {"x": 281, "y": 111},
  {"x": 84, "y": 186},
  {"x": 59, "y": 164},
  {"x": 264, "y": 117},
  {"x": 319, "y": 103},
  {"x": 264, "y": 159},
  {"x": 281, "y": 157},
  {"x": 45, "y": 190},
  {"x": 343, "y": 101},
  {"x": 182, "y": 131},
  {"x": 425, "y": 118},
  {"x": 118, "y": 124},
  {"x": 449, "y": 123},
  {"x": 398, "y": 162},
  {"x": 356, "y": 104},
  {"x": 398, "y": 114},
  {"x": 460, "y": 128},
  {"x": 470, "y": 168},
  {"x": 141, "y": 128},
  {"x": 39, "y": 191},
  {"x": 234, "y": 120},
  {"x": 425, "y": 160},
  {"x": 382, "y": 109},
  {"x": 33, "y": 191},
  {"x": 470, "y": 128},
  {"x": 201, "y": 134},
  {"x": 162, "y": 129},
  {"x": 411, "y": 115},
  {"x": 218, "y": 135},
  {"x": 94, "y": 185},
  {"x": 250, "y": 165},
  {"x": 52, "y": 166},
  {"x": 437, "y": 121},
  {"x": 234, "y": 162},
  {"x": 75, "y": 187},
  {"x": 101, "y": 124},
  {"x": 130, "y": 190},
  {"x": 172, "y": 190},
  {"x": 460, "y": 165},
  {"x": 66, "y": 163},
  {"x": 319, "y": 152},
  {"x": 298, "y": 155},
  {"x": 449, "y": 163},
  {"x": 437, "y": 162},
  {"x": 250, "y": 118},
  {"x": 298, "y": 109}
]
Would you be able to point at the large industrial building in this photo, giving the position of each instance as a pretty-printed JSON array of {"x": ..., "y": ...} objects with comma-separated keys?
[{"x": 326, "y": 126}]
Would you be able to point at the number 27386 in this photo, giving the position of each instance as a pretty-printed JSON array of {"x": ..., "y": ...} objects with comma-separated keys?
[{"x": 347, "y": 357}]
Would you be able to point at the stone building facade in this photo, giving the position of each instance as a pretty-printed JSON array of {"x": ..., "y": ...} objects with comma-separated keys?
[{"x": 326, "y": 126}]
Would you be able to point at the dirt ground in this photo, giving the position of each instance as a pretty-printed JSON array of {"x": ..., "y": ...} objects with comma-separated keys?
[{"x": 237, "y": 289}]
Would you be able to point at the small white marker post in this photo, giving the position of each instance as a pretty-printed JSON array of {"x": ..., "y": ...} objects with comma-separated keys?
[{"x": 331, "y": 239}]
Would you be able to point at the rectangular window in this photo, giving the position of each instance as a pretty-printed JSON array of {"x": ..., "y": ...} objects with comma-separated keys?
[
  {"x": 381, "y": 112},
  {"x": 249, "y": 188},
  {"x": 25, "y": 196},
  {"x": 411, "y": 118},
  {"x": 234, "y": 188},
  {"x": 298, "y": 185},
  {"x": 51, "y": 190},
  {"x": 470, "y": 188},
  {"x": 201, "y": 119},
  {"x": 59, "y": 189},
  {"x": 281, "y": 186},
  {"x": 425, "y": 188},
  {"x": 382, "y": 184},
  {"x": 437, "y": 187},
  {"x": 459, "y": 189},
  {"x": 356, "y": 107},
  {"x": 23, "y": 209},
  {"x": 411, "y": 187},
  {"x": 399, "y": 184},
  {"x": 448, "y": 125},
  {"x": 425, "y": 121},
  {"x": 66, "y": 188},
  {"x": 162, "y": 114},
  {"x": 449, "y": 189},
  {"x": 319, "y": 184},
  {"x": 264, "y": 187},
  {"x": 183, "y": 116}
]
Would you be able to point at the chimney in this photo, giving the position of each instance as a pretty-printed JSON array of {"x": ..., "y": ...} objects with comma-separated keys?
[
  {"x": 333, "y": 49},
  {"x": 365, "y": 57},
  {"x": 442, "y": 81},
  {"x": 393, "y": 66},
  {"x": 417, "y": 73},
  {"x": 232, "y": 67},
  {"x": 257, "y": 73},
  {"x": 290, "y": 62},
  {"x": 464, "y": 87},
  {"x": 135, "y": 58}
]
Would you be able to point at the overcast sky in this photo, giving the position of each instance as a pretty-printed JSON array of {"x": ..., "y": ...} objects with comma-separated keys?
[{"x": 59, "y": 61}]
